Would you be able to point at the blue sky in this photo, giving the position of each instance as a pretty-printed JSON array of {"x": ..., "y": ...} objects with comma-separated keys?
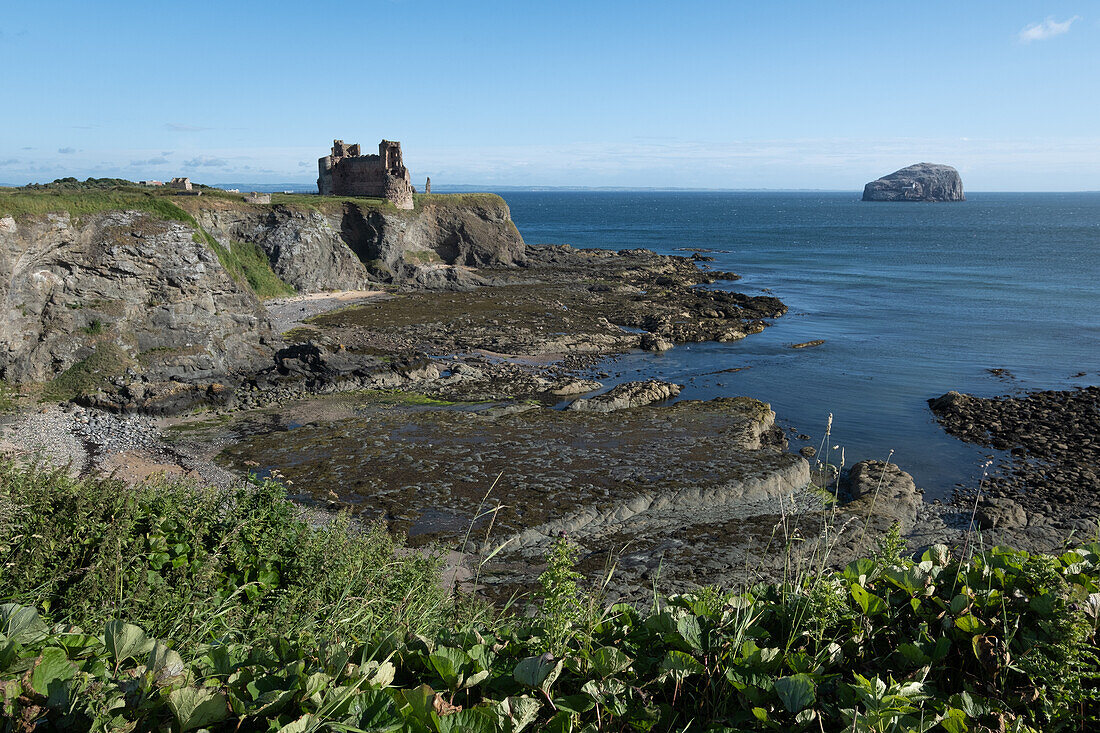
[{"x": 677, "y": 94}]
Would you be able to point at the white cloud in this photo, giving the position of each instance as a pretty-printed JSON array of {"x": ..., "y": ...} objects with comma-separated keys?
[
  {"x": 1049, "y": 28},
  {"x": 203, "y": 161}
]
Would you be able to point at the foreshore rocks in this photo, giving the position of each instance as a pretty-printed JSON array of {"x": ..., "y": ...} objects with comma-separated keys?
[
  {"x": 920, "y": 182},
  {"x": 1052, "y": 468},
  {"x": 628, "y": 395}
]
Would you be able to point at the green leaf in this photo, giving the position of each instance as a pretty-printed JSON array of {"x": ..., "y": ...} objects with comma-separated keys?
[
  {"x": 680, "y": 666},
  {"x": 382, "y": 675},
  {"x": 538, "y": 672},
  {"x": 797, "y": 692},
  {"x": 519, "y": 712},
  {"x": 21, "y": 624},
  {"x": 305, "y": 723},
  {"x": 53, "y": 667},
  {"x": 7, "y": 654},
  {"x": 914, "y": 654},
  {"x": 576, "y": 704},
  {"x": 377, "y": 712},
  {"x": 689, "y": 630},
  {"x": 163, "y": 661},
  {"x": 197, "y": 707},
  {"x": 470, "y": 720},
  {"x": 420, "y": 699},
  {"x": 970, "y": 625},
  {"x": 871, "y": 604},
  {"x": 955, "y": 721},
  {"x": 125, "y": 641},
  {"x": 859, "y": 571},
  {"x": 607, "y": 661},
  {"x": 448, "y": 663}
]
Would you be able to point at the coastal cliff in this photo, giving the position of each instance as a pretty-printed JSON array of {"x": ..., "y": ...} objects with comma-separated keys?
[
  {"x": 920, "y": 182},
  {"x": 87, "y": 298},
  {"x": 319, "y": 244},
  {"x": 158, "y": 298}
]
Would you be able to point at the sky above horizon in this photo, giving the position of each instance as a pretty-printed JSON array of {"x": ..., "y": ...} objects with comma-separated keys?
[{"x": 720, "y": 95}]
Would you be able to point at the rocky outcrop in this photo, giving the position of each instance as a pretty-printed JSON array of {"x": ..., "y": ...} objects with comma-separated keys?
[
  {"x": 920, "y": 182},
  {"x": 999, "y": 513},
  {"x": 882, "y": 491},
  {"x": 127, "y": 291},
  {"x": 628, "y": 395},
  {"x": 1052, "y": 465},
  {"x": 345, "y": 246}
]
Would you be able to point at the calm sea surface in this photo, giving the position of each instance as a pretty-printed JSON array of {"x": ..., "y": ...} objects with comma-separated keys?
[{"x": 913, "y": 300}]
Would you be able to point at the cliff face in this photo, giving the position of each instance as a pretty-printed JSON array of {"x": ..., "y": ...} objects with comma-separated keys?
[
  {"x": 920, "y": 182},
  {"x": 348, "y": 245},
  {"x": 131, "y": 300},
  {"x": 122, "y": 290}
]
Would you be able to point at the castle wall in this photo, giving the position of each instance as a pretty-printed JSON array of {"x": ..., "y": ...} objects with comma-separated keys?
[{"x": 346, "y": 173}]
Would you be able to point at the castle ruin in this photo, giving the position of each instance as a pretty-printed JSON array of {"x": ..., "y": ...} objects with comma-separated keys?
[{"x": 347, "y": 172}]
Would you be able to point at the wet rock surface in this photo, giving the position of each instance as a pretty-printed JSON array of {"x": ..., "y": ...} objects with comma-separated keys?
[
  {"x": 559, "y": 312},
  {"x": 1052, "y": 469},
  {"x": 627, "y": 395},
  {"x": 695, "y": 485}
]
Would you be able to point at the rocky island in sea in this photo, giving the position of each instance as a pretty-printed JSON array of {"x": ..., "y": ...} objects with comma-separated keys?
[{"x": 919, "y": 182}]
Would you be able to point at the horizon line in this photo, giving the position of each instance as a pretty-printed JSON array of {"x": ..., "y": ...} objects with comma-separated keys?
[{"x": 479, "y": 188}]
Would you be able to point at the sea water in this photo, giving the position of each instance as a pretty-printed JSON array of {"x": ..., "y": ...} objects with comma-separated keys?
[{"x": 912, "y": 300}]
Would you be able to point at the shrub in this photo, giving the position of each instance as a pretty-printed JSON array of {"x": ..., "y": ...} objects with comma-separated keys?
[{"x": 193, "y": 564}]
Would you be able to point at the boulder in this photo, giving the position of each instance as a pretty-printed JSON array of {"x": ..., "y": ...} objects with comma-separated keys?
[
  {"x": 884, "y": 490},
  {"x": 627, "y": 395},
  {"x": 920, "y": 182},
  {"x": 1000, "y": 513}
]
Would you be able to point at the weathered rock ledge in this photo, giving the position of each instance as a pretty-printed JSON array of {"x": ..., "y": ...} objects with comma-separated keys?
[{"x": 920, "y": 182}]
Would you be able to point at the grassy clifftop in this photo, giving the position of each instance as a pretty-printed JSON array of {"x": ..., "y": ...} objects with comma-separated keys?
[{"x": 95, "y": 195}]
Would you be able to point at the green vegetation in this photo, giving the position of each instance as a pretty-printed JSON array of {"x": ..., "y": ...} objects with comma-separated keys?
[
  {"x": 94, "y": 328},
  {"x": 302, "y": 335},
  {"x": 79, "y": 202},
  {"x": 247, "y": 263},
  {"x": 9, "y": 396},
  {"x": 89, "y": 375},
  {"x": 402, "y": 397},
  {"x": 167, "y": 606},
  {"x": 465, "y": 200}
]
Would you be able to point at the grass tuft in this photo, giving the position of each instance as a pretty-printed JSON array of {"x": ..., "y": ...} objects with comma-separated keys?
[{"x": 90, "y": 374}]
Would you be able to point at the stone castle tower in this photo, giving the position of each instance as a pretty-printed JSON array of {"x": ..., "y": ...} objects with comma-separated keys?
[{"x": 347, "y": 172}]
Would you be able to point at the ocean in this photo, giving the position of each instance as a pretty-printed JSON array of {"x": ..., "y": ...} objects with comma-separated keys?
[{"x": 995, "y": 295}]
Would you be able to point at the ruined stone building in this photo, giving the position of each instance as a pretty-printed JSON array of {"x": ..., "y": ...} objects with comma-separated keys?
[
  {"x": 347, "y": 172},
  {"x": 180, "y": 184}
]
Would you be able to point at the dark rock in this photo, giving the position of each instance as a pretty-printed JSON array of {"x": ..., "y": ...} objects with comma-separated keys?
[
  {"x": 920, "y": 182},
  {"x": 1000, "y": 513}
]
